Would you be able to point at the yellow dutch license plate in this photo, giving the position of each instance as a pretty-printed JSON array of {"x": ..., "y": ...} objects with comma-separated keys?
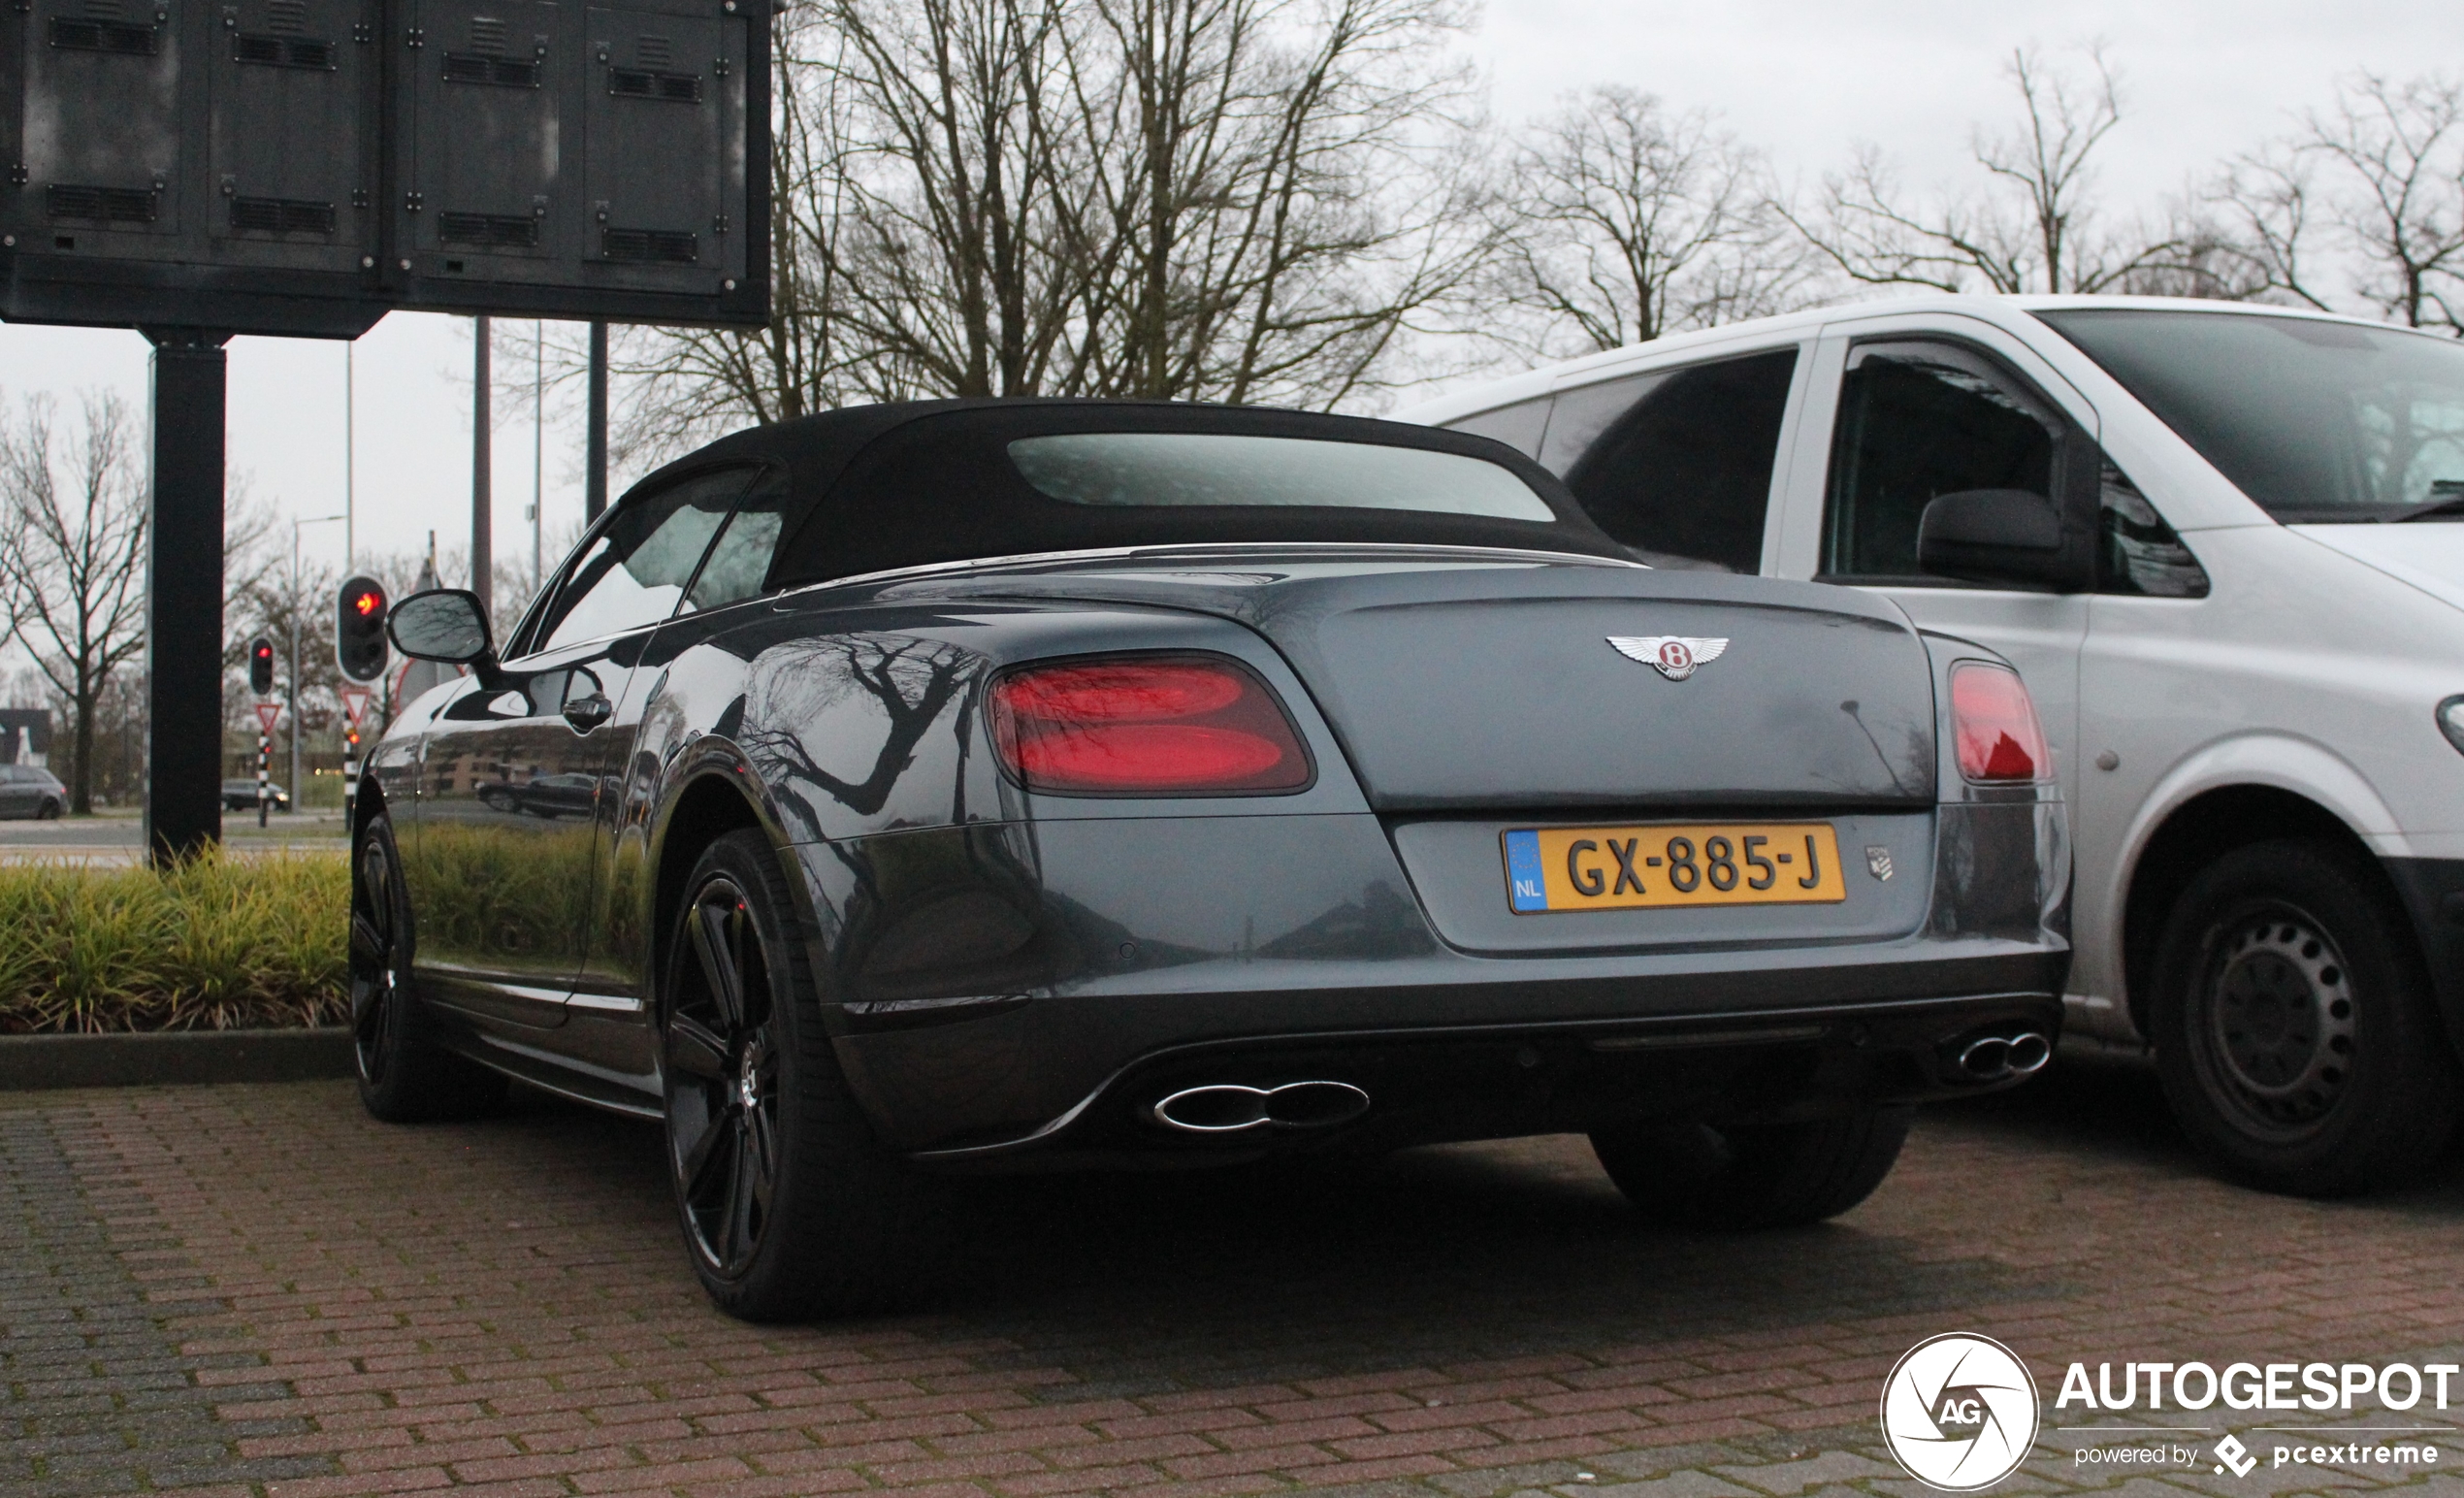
[{"x": 1559, "y": 869}]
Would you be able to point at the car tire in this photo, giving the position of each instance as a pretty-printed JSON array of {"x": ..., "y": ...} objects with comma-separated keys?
[
  {"x": 48, "y": 811},
  {"x": 790, "y": 1206},
  {"x": 404, "y": 1076},
  {"x": 2294, "y": 1026},
  {"x": 1752, "y": 1176}
]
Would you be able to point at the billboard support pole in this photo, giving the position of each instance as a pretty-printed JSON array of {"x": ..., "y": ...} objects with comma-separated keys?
[
  {"x": 483, "y": 561},
  {"x": 595, "y": 458},
  {"x": 183, "y": 617}
]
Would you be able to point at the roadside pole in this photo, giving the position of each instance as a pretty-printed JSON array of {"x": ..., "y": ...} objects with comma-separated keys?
[
  {"x": 355, "y": 709},
  {"x": 267, "y": 713}
]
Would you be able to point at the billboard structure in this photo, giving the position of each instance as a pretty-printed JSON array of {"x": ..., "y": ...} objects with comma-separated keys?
[
  {"x": 304, "y": 166},
  {"x": 196, "y": 169}
]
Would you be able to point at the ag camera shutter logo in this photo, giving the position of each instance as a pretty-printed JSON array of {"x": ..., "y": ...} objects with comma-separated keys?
[{"x": 1958, "y": 1412}]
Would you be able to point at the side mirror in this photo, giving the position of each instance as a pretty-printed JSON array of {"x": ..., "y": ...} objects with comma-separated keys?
[
  {"x": 1997, "y": 535},
  {"x": 442, "y": 624}
]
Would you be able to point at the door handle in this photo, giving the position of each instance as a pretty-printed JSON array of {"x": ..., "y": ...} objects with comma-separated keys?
[{"x": 586, "y": 713}]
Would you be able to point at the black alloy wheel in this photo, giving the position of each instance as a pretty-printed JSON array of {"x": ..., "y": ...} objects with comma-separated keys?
[
  {"x": 790, "y": 1205},
  {"x": 378, "y": 962},
  {"x": 404, "y": 1075},
  {"x": 2294, "y": 1029},
  {"x": 723, "y": 1081}
]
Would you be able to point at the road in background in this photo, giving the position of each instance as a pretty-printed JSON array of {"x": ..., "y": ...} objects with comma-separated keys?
[{"x": 114, "y": 839}]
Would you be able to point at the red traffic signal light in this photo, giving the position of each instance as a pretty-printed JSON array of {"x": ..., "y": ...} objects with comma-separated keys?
[
  {"x": 359, "y": 629},
  {"x": 261, "y": 665}
]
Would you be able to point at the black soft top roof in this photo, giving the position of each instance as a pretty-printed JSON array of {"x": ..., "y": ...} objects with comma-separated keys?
[{"x": 878, "y": 487}]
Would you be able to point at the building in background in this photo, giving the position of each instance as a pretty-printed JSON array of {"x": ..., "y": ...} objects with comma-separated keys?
[{"x": 25, "y": 735}]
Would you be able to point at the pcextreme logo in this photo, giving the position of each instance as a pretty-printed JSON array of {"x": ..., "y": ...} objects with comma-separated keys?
[{"x": 1958, "y": 1412}]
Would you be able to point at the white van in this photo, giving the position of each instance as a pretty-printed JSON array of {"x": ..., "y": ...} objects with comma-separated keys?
[{"x": 2226, "y": 545}]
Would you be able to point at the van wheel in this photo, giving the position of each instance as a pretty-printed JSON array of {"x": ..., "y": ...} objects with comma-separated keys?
[
  {"x": 1749, "y": 1177},
  {"x": 2294, "y": 1029},
  {"x": 790, "y": 1206}
]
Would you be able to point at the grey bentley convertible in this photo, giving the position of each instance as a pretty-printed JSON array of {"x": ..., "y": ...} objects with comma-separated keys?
[{"x": 1003, "y": 786}]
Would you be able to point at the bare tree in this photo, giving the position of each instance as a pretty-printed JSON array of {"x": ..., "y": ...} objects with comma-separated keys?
[
  {"x": 2033, "y": 228},
  {"x": 2264, "y": 204},
  {"x": 1627, "y": 221},
  {"x": 2361, "y": 203},
  {"x": 1234, "y": 200},
  {"x": 2396, "y": 155},
  {"x": 73, "y": 556}
]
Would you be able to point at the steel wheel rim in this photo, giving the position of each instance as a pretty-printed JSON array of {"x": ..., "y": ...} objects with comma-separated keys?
[
  {"x": 721, "y": 1067},
  {"x": 2279, "y": 1030},
  {"x": 375, "y": 960}
]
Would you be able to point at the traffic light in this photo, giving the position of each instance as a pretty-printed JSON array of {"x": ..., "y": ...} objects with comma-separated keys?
[
  {"x": 359, "y": 629},
  {"x": 261, "y": 665}
]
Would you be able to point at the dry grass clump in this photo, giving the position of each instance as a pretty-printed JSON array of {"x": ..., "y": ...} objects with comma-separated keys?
[{"x": 215, "y": 943}]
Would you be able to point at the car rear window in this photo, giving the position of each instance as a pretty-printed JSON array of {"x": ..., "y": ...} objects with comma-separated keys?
[{"x": 1139, "y": 470}]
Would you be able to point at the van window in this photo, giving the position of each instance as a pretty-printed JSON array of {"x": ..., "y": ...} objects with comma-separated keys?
[
  {"x": 1917, "y": 421},
  {"x": 1676, "y": 463},
  {"x": 2136, "y": 551},
  {"x": 1519, "y": 426},
  {"x": 2317, "y": 422}
]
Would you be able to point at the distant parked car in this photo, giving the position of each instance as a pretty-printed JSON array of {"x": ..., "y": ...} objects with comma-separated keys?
[
  {"x": 31, "y": 791},
  {"x": 242, "y": 796},
  {"x": 544, "y": 795}
]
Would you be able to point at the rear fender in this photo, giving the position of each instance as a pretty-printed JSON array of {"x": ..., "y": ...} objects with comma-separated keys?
[{"x": 708, "y": 790}]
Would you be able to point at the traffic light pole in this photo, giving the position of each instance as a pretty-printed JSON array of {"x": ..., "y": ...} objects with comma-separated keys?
[
  {"x": 183, "y": 613},
  {"x": 360, "y": 613}
]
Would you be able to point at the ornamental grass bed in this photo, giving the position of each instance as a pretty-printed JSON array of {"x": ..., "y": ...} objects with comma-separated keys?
[{"x": 213, "y": 943}]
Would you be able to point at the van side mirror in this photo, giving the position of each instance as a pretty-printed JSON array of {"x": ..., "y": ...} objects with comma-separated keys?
[
  {"x": 1998, "y": 535},
  {"x": 442, "y": 624}
]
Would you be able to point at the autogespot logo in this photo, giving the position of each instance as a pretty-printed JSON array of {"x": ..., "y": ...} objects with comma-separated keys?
[{"x": 1958, "y": 1412}]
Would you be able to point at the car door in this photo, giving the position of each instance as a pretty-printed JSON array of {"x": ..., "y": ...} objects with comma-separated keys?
[
  {"x": 613, "y": 982},
  {"x": 1915, "y": 412},
  {"x": 2150, "y": 691},
  {"x": 17, "y": 792},
  {"x": 730, "y": 578},
  {"x": 501, "y": 861}
]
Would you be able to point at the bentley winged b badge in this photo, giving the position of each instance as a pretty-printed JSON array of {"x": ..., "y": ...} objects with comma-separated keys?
[{"x": 1674, "y": 656}]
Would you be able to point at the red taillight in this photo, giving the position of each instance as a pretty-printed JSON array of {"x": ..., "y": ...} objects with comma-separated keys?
[
  {"x": 1995, "y": 725},
  {"x": 1145, "y": 726}
]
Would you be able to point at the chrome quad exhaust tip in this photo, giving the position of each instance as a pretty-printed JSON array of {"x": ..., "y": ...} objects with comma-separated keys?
[
  {"x": 1232, "y": 1108},
  {"x": 1995, "y": 1057}
]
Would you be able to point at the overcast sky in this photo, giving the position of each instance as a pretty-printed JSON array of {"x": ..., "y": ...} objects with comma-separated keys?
[{"x": 2204, "y": 78}]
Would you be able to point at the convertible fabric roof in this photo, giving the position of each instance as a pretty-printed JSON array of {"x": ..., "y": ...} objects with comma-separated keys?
[{"x": 879, "y": 487}]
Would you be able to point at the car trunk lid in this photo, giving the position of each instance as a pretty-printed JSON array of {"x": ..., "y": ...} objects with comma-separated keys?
[{"x": 1464, "y": 682}]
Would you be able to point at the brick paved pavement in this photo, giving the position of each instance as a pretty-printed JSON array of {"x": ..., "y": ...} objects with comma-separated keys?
[{"x": 258, "y": 1291}]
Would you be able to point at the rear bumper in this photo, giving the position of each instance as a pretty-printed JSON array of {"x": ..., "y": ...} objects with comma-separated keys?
[
  {"x": 1427, "y": 1084},
  {"x": 1013, "y": 991}
]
